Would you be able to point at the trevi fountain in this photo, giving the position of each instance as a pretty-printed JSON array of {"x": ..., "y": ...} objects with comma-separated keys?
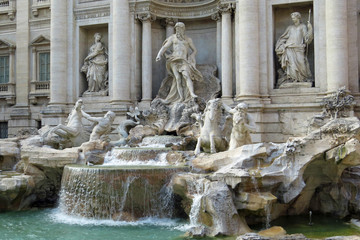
[{"x": 185, "y": 165}]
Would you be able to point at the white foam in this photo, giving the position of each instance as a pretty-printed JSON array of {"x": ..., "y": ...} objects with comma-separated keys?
[
  {"x": 57, "y": 216},
  {"x": 111, "y": 159}
]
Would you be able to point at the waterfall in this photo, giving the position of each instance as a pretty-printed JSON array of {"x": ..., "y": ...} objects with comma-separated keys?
[
  {"x": 198, "y": 189},
  {"x": 268, "y": 215},
  {"x": 118, "y": 193},
  {"x": 137, "y": 156}
]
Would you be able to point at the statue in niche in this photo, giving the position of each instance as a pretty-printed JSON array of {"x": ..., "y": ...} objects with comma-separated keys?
[
  {"x": 292, "y": 50},
  {"x": 95, "y": 67},
  {"x": 243, "y": 124},
  {"x": 181, "y": 65}
]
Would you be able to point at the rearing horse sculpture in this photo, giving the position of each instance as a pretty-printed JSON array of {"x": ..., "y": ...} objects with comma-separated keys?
[{"x": 212, "y": 137}]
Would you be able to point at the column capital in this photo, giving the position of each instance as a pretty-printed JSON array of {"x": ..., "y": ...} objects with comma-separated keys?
[
  {"x": 168, "y": 22},
  {"x": 216, "y": 17},
  {"x": 171, "y": 21},
  {"x": 146, "y": 16},
  {"x": 225, "y": 8}
]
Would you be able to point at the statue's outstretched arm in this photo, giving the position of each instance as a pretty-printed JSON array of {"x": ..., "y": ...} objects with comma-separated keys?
[
  {"x": 88, "y": 117},
  {"x": 167, "y": 43}
]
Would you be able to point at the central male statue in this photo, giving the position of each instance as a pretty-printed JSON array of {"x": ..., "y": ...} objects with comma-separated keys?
[{"x": 180, "y": 65}]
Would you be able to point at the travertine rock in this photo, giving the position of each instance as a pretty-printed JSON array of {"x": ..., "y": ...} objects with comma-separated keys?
[{"x": 16, "y": 191}]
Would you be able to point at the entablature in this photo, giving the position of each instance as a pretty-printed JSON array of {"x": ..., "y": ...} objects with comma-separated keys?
[{"x": 180, "y": 9}]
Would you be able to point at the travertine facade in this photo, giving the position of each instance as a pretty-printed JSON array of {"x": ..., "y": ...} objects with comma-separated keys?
[{"x": 238, "y": 36}]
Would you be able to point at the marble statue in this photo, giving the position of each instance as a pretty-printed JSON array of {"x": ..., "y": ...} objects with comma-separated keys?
[
  {"x": 181, "y": 65},
  {"x": 73, "y": 132},
  {"x": 103, "y": 126},
  {"x": 291, "y": 49},
  {"x": 242, "y": 126},
  {"x": 95, "y": 66},
  {"x": 211, "y": 137}
]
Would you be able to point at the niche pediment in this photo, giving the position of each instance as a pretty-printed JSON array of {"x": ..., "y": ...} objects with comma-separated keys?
[
  {"x": 40, "y": 40},
  {"x": 4, "y": 44}
]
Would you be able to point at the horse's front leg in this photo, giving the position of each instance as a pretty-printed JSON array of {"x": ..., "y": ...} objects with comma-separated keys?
[
  {"x": 212, "y": 143},
  {"x": 198, "y": 145}
]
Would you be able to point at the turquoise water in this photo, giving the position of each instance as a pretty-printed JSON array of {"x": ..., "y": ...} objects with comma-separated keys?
[
  {"x": 323, "y": 226},
  {"x": 50, "y": 224}
]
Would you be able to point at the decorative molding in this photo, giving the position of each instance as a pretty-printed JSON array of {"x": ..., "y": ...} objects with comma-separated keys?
[
  {"x": 40, "y": 41},
  {"x": 8, "y": 7},
  {"x": 216, "y": 16},
  {"x": 146, "y": 16},
  {"x": 225, "y": 7},
  {"x": 171, "y": 21},
  {"x": 6, "y": 44},
  {"x": 7, "y": 92},
  {"x": 39, "y": 4},
  {"x": 182, "y": 1},
  {"x": 91, "y": 13},
  {"x": 178, "y": 8}
]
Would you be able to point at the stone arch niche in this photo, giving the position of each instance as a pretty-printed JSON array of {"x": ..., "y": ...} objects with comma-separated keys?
[
  {"x": 200, "y": 27},
  {"x": 86, "y": 40},
  {"x": 282, "y": 20}
]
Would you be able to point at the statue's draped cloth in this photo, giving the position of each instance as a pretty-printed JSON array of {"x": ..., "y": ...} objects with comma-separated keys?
[
  {"x": 290, "y": 49},
  {"x": 182, "y": 65}
]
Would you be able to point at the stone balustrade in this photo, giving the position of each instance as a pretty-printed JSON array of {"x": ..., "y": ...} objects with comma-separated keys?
[
  {"x": 39, "y": 89},
  {"x": 8, "y": 7},
  {"x": 7, "y": 92},
  {"x": 39, "y": 4}
]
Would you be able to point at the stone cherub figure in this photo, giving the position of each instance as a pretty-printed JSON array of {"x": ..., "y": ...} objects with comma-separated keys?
[
  {"x": 181, "y": 65},
  {"x": 95, "y": 66},
  {"x": 291, "y": 49},
  {"x": 243, "y": 124}
]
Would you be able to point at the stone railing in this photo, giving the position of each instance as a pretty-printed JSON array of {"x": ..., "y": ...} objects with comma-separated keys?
[
  {"x": 8, "y": 7},
  {"x": 39, "y": 89},
  {"x": 7, "y": 92},
  {"x": 42, "y": 85},
  {"x": 39, "y": 4},
  {"x": 4, "y": 87},
  {"x": 4, "y": 3}
]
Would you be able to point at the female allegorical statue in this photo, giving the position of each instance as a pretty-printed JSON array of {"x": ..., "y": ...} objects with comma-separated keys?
[
  {"x": 291, "y": 48},
  {"x": 95, "y": 66}
]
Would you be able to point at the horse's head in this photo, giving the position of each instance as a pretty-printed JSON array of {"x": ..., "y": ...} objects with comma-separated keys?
[{"x": 213, "y": 108}]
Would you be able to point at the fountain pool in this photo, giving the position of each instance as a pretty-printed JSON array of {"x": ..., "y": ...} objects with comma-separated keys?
[
  {"x": 52, "y": 224},
  {"x": 323, "y": 226}
]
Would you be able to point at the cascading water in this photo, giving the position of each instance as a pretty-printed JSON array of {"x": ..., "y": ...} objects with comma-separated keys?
[
  {"x": 118, "y": 193},
  {"x": 198, "y": 190},
  {"x": 257, "y": 190},
  {"x": 137, "y": 156}
]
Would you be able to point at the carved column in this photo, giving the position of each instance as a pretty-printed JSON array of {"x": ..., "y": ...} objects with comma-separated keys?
[
  {"x": 248, "y": 85},
  {"x": 170, "y": 23},
  {"x": 58, "y": 56},
  {"x": 121, "y": 73},
  {"x": 22, "y": 53},
  {"x": 336, "y": 44},
  {"x": 146, "y": 19},
  {"x": 216, "y": 17},
  {"x": 226, "y": 50}
]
